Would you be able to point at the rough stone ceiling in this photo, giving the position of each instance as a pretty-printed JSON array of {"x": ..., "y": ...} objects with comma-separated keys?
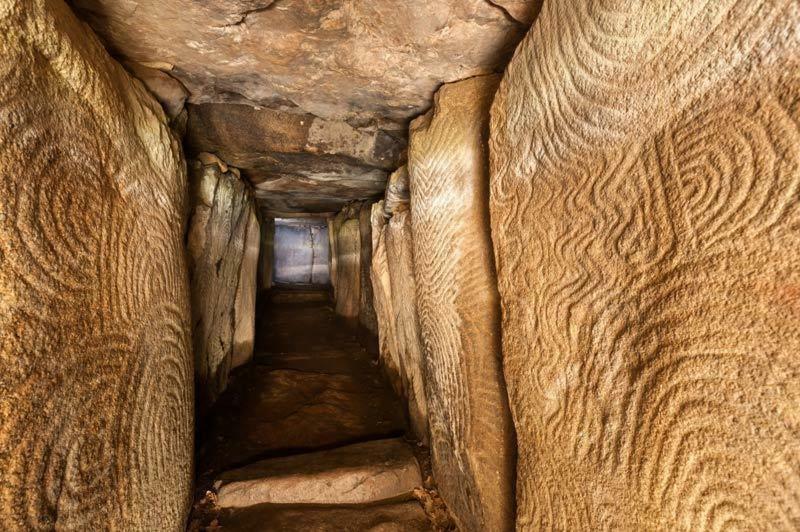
[{"x": 309, "y": 98}]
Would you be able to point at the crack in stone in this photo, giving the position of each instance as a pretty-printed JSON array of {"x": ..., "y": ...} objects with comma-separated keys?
[
  {"x": 244, "y": 14},
  {"x": 507, "y": 14}
]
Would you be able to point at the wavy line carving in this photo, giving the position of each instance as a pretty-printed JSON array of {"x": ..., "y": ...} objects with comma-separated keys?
[
  {"x": 471, "y": 433},
  {"x": 222, "y": 243},
  {"x": 645, "y": 215},
  {"x": 399, "y": 254}
]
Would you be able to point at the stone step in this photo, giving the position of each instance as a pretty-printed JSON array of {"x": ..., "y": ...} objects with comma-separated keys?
[
  {"x": 300, "y": 296},
  {"x": 382, "y": 517},
  {"x": 354, "y": 474}
]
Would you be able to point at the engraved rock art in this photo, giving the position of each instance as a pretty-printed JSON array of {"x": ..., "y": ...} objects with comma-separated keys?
[
  {"x": 644, "y": 213},
  {"x": 222, "y": 244},
  {"x": 96, "y": 414},
  {"x": 472, "y": 439}
]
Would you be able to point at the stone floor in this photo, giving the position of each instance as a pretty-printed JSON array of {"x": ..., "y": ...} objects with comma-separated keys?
[{"x": 312, "y": 424}]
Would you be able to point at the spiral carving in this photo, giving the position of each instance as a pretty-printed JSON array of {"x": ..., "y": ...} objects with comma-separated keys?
[
  {"x": 644, "y": 205},
  {"x": 96, "y": 394}
]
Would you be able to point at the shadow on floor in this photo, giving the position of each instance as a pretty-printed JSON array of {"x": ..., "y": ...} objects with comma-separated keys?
[{"x": 311, "y": 386}]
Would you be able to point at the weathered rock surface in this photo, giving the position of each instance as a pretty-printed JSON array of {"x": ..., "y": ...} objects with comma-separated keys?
[
  {"x": 359, "y": 61},
  {"x": 382, "y": 299},
  {"x": 304, "y": 392},
  {"x": 288, "y": 409},
  {"x": 524, "y": 11},
  {"x": 222, "y": 236},
  {"x": 266, "y": 254},
  {"x": 96, "y": 408},
  {"x": 472, "y": 439},
  {"x": 397, "y": 193},
  {"x": 297, "y": 162},
  {"x": 246, "y": 289},
  {"x": 644, "y": 210},
  {"x": 309, "y": 99},
  {"x": 347, "y": 262},
  {"x": 389, "y": 517},
  {"x": 366, "y": 308},
  {"x": 169, "y": 92},
  {"x": 400, "y": 260},
  {"x": 354, "y": 474}
]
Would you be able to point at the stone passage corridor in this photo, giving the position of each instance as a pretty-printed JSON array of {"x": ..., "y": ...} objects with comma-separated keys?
[
  {"x": 308, "y": 436},
  {"x": 554, "y": 247}
]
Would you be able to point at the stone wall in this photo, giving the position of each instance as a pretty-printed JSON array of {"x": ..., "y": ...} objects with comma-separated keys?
[
  {"x": 223, "y": 253},
  {"x": 645, "y": 215},
  {"x": 96, "y": 416},
  {"x": 301, "y": 251},
  {"x": 395, "y": 300},
  {"x": 472, "y": 439},
  {"x": 405, "y": 349},
  {"x": 348, "y": 282},
  {"x": 366, "y": 308},
  {"x": 382, "y": 300},
  {"x": 266, "y": 256},
  {"x": 244, "y": 311},
  {"x": 346, "y": 273}
]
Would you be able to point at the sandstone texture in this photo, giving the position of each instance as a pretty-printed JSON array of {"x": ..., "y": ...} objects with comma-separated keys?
[
  {"x": 312, "y": 386},
  {"x": 366, "y": 308},
  {"x": 386, "y": 517},
  {"x": 244, "y": 311},
  {"x": 310, "y": 99},
  {"x": 403, "y": 301},
  {"x": 169, "y": 92},
  {"x": 524, "y": 11},
  {"x": 297, "y": 162},
  {"x": 644, "y": 204},
  {"x": 472, "y": 438},
  {"x": 353, "y": 474},
  {"x": 344, "y": 60},
  {"x": 223, "y": 256},
  {"x": 347, "y": 273},
  {"x": 96, "y": 414},
  {"x": 404, "y": 315},
  {"x": 382, "y": 301}
]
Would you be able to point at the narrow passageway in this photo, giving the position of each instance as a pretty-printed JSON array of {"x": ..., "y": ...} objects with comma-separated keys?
[
  {"x": 349, "y": 265},
  {"x": 308, "y": 435}
]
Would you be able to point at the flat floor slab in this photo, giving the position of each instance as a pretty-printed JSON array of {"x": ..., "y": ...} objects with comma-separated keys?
[
  {"x": 354, "y": 474},
  {"x": 393, "y": 517},
  {"x": 310, "y": 387}
]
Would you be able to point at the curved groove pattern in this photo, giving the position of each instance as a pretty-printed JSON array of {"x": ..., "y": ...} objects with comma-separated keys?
[
  {"x": 382, "y": 299},
  {"x": 222, "y": 245},
  {"x": 471, "y": 432},
  {"x": 348, "y": 263},
  {"x": 400, "y": 259},
  {"x": 645, "y": 172},
  {"x": 96, "y": 416}
]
